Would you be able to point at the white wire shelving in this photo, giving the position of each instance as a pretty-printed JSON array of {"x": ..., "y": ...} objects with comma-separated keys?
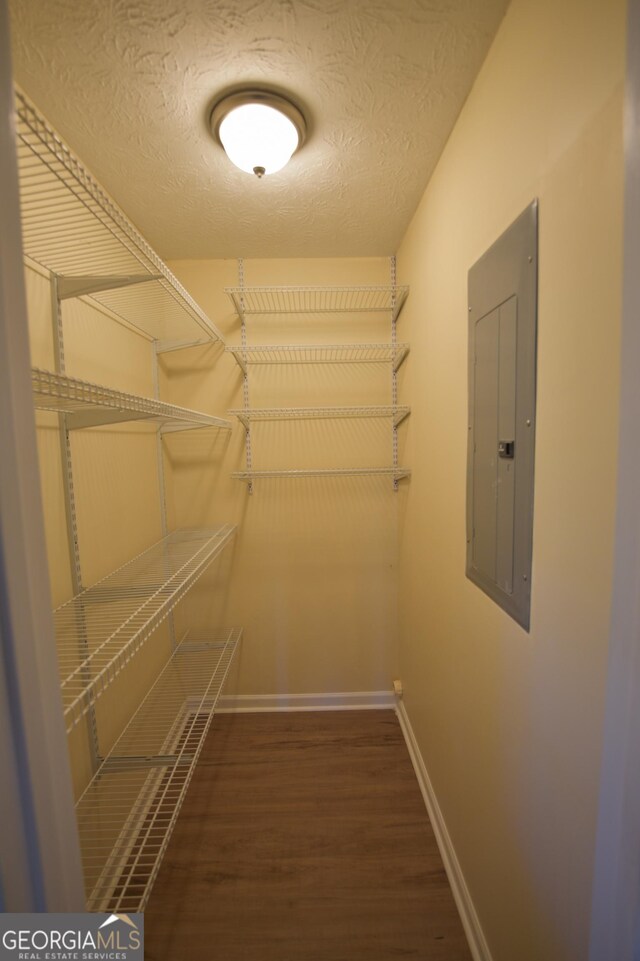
[
  {"x": 247, "y": 415},
  {"x": 128, "y": 811},
  {"x": 317, "y": 300},
  {"x": 73, "y": 229},
  {"x": 306, "y": 302},
  {"x": 91, "y": 405},
  {"x": 320, "y": 354},
  {"x": 99, "y": 630},
  {"x": 249, "y": 476}
]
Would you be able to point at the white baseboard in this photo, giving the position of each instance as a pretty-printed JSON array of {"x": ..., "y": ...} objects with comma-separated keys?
[
  {"x": 348, "y": 701},
  {"x": 470, "y": 921}
]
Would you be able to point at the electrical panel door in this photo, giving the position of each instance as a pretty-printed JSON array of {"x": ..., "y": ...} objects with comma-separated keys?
[{"x": 502, "y": 357}]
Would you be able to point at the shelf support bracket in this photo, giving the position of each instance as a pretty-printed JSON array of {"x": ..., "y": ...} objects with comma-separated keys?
[
  {"x": 128, "y": 763},
  {"x": 241, "y": 362},
  {"x": 82, "y": 286},
  {"x": 80, "y": 420},
  {"x": 398, "y": 417},
  {"x": 166, "y": 346},
  {"x": 400, "y": 358}
]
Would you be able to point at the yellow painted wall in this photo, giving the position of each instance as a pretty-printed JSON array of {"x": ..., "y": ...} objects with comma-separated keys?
[
  {"x": 509, "y": 723},
  {"x": 115, "y": 481},
  {"x": 313, "y": 579}
]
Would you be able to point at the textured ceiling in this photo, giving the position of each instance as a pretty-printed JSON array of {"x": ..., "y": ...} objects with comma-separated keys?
[{"x": 129, "y": 85}]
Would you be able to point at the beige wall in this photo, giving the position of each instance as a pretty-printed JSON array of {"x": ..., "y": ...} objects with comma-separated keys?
[
  {"x": 314, "y": 575},
  {"x": 509, "y": 723},
  {"x": 115, "y": 482}
]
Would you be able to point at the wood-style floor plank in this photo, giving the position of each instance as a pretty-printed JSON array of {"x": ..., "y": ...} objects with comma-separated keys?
[{"x": 303, "y": 837}]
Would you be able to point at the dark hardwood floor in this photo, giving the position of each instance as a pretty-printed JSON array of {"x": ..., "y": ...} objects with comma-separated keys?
[{"x": 303, "y": 837}]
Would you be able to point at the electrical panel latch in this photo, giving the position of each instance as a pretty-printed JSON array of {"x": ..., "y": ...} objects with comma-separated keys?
[{"x": 505, "y": 449}]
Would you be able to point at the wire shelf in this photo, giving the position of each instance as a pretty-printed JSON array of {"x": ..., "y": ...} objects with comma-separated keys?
[
  {"x": 321, "y": 354},
  {"x": 317, "y": 300},
  {"x": 71, "y": 227},
  {"x": 90, "y": 405},
  {"x": 128, "y": 811},
  {"x": 99, "y": 630},
  {"x": 397, "y": 473},
  {"x": 246, "y": 416}
]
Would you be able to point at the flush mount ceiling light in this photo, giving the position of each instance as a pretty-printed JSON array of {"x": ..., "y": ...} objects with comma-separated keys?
[{"x": 260, "y": 131}]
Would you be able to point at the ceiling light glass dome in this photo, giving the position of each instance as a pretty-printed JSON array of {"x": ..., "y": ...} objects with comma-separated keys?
[{"x": 259, "y": 131}]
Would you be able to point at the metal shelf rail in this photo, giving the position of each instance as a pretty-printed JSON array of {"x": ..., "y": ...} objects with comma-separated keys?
[
  {"x": 128, "y": 811},
  {"x": 247, "y": 415},
  {"x": 100, "y": 629},
  {"x": 91, "y": 405},
  {"x": 73, "y": 229},
  {"x": 320, "y": 354},
  {"x": 397, "y": 473},
  {"x": 317, "y": 300}
]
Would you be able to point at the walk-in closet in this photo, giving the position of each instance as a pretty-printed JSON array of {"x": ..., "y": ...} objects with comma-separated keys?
[{"x": 308, "y": 564}]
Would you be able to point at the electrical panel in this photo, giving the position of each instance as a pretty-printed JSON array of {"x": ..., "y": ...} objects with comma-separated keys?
[{"x": 501, "y": 429}]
